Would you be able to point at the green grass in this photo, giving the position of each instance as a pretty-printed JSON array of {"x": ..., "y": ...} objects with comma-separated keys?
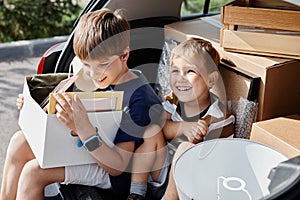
[{"x": 196, "y": 6}]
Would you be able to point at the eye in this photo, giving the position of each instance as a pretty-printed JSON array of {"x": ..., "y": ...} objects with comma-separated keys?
[
  {"x": 191, "y": 71},
  {"x": 173, "y": 71},
  {"x": 86, "y": 65},
  {"x": 103, "y": 64}
]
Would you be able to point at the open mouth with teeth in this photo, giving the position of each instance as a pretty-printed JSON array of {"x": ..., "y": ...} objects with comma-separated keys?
[{"x": 183, "y": 88}]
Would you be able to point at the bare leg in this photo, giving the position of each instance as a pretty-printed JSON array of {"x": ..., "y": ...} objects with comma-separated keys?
[
  {"x": 18, "y": 154},
  {"x": 33, "y": 180},
  {"x": 171, "y": 191},
  {"x": 149, "y": 157}
]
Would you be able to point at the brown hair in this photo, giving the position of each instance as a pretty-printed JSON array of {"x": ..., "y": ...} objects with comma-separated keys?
[{"x": 93, "y": 34}]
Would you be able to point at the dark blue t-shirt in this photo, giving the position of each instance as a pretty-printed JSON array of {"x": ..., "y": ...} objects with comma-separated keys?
[{"x": 141, "y": 107}]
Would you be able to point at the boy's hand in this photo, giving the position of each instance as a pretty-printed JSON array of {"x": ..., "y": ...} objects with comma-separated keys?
[
  {"x": 197, "y": 131},
  {"x": 20, "y": 101},
  {"x": 72, "y": 113}
]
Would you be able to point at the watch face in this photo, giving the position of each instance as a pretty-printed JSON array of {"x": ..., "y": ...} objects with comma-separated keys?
[{"x": 93, "y": 143}]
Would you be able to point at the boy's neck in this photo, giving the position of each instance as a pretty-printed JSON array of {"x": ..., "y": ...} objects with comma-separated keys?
[
  {"x": 194, "y": 108},
  {"x": 126, "y": 75}
]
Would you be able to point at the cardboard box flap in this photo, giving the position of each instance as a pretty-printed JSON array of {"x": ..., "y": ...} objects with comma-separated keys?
[{"x": 40, "y": 123}]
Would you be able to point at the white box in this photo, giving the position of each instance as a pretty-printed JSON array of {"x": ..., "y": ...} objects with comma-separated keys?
[{"x": 51, "y": 141}]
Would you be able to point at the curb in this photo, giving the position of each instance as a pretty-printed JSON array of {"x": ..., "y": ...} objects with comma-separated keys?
[{"x": 28, "y": 48}]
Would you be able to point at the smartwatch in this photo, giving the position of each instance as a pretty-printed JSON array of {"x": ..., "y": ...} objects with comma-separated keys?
[{"x": 93, "y": 142}]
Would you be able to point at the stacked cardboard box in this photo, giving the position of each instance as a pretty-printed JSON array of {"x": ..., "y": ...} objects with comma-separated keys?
[
  {"x": 261, "y": 27},
  {"x": 282, "y": 133}
]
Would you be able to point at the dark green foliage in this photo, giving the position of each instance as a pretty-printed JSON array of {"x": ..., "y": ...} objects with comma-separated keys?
[{"x": 32, "y": 19}]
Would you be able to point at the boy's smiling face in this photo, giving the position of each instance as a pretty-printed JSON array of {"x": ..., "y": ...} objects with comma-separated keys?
[
  {"x": 105, "y": 71},
  {"x": 187, "y": 81}
]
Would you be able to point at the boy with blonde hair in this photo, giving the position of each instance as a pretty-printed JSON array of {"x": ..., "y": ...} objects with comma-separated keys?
[
  {"x": 192, "y": 107},
  {"x": 194, "y": 73}
]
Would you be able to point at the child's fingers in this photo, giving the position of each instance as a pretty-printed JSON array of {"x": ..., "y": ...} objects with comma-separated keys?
[
  {"x": 202, "y": 126},
  {"x": 64, "y": 103},
  {"x": 20, "y": 101},
  {"x": 64, "y": 116},
  {"x": 21, "y": 96},
  {"x": 190, "y": 137},
  {"x": 198, "y": 132},
  {"x": 197, "y": 137},
  {"x": 78, "y": 102},
  {"x": 60, "y": 114},
  {"x": 67, "y": 98},
  {"x": 193, "y": 136}
]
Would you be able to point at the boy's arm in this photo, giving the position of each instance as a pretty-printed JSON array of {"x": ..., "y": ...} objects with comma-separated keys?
[
  {"x": 72, "y": 114},
  {"x": 173, "y": 129},
  {"x": 114, "y": 160},
  {"x": 194, "y": 131}
]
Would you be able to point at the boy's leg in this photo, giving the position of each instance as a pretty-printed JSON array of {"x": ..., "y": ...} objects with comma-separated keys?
[
  {"x": 18, "y": 154},
  {"x": 149, "y": 157},
  {"x": 34, "y": 179},
  {"x": 171, "y": 191}
]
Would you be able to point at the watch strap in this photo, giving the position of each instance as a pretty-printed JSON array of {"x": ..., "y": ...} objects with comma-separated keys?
[{"x": 91, "y": 143}]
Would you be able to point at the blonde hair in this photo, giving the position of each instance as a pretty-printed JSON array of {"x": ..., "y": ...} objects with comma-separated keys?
[
  {"x": 200, "y": 48},
  {"x": 93, "y": 34}
]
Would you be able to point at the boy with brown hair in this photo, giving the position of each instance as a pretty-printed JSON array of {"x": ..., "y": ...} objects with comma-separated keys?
[{"x": 101, "y": 42}]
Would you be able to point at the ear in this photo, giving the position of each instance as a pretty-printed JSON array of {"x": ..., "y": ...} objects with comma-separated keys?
[
  {"x": 125, "y": 55},
  {"x": 213, "y": 78}
]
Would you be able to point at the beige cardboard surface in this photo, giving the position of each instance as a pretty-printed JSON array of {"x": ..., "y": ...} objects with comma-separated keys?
[
  {"x": 282, "y": 133},
  {"x": 273, "y": 32},
  {"x": 51, "y": 141},
  {"x": 238, "y": 83},
  {"x": 279, "y": 92},
  {"x": 111, "y": 100}
]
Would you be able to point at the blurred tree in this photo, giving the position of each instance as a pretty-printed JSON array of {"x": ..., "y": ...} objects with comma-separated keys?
[{"x": 32, "y": 19}]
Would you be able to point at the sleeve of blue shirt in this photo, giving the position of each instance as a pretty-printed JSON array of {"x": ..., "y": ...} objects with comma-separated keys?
[{"x": 144, "y": 108}]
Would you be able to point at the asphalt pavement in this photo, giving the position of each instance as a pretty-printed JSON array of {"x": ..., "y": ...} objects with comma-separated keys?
[
  {"x": 12, "y": 75},
  {"x": 17, "y": 59}
]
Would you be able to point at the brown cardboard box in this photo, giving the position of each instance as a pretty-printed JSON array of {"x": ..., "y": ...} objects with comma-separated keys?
[
  {"x": 279, "y": 90},
  {"x": 263, "y": 27},
  {"x": 282, "y": 133}
]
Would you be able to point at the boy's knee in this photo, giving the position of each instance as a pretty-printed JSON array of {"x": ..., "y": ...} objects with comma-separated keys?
[
  {"x": 17, "y": 137},
  {"x": 153, "y": 132},
  {"x": 181, "y": 149},
  {"x": 16, "y": 141},
  {"x": 32, "y": 170},
  {"x": 185, "y": 146},
  {"x": 30, "y": 178}
]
